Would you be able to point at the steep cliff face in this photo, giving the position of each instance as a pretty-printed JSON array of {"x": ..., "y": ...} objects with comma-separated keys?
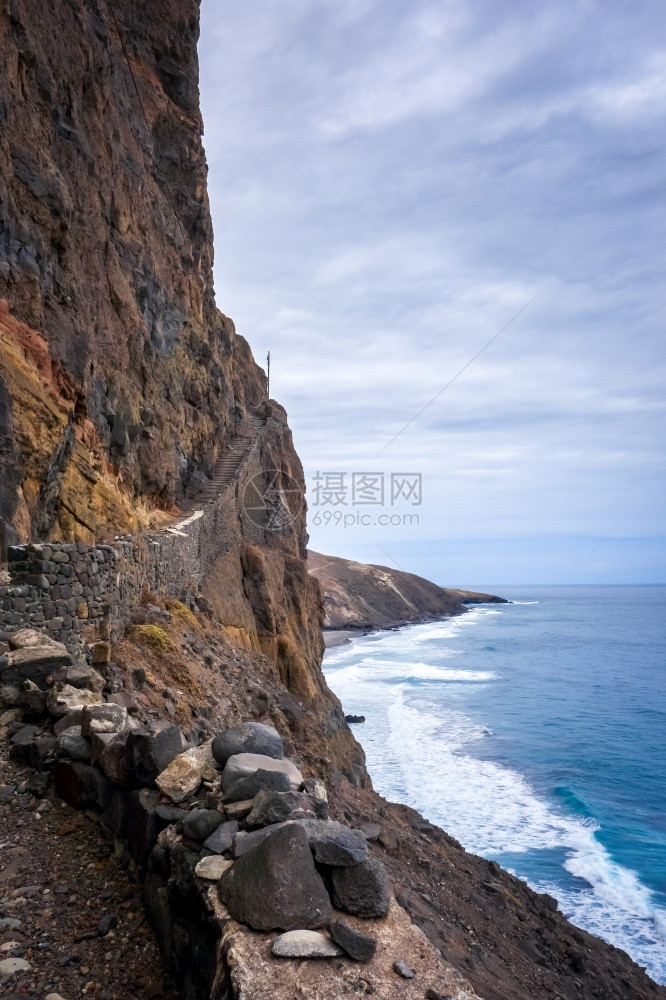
[
  {"x": 123, "y": 390},
  {"x": 106, "y": 260}
]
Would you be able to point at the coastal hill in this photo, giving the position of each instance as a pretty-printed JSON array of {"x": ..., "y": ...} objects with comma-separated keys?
[
  {"x": 362, "y": 596},
  {"x": 170, "y": 752}
]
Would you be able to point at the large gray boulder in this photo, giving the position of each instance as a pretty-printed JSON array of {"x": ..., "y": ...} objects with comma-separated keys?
[
  {"x": 362, "y": 889},
  {"x": 250, "y": 737},
  {"x": 242, "y": 765},
  {"x": 78, "y": 676},
  {"x": 276, "y": 886}
]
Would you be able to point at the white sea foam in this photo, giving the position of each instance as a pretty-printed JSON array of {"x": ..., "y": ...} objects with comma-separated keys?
[
  {"x": 427, "y": 760},
  {"x": 493, "y": 810}
]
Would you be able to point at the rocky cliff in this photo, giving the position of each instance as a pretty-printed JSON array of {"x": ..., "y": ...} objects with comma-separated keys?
[
  {"x": 362, "y": 596},
  {"x": 125, "y": 395}
]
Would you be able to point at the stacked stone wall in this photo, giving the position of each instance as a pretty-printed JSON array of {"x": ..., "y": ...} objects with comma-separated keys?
[{"x": 66, "y": 588}]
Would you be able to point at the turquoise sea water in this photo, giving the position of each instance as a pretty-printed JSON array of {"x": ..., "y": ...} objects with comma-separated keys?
[{"x": 535, "y": 733}]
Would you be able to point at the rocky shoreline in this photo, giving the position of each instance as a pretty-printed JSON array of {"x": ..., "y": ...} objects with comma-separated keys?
[{"x": 359, "y": 597}]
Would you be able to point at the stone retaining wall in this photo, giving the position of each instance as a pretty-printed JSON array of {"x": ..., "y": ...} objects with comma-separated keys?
[{"x": 66, "y": 587}]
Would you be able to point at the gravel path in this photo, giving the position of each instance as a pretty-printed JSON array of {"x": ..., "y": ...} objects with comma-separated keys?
[{"x": 80, "y": 927}]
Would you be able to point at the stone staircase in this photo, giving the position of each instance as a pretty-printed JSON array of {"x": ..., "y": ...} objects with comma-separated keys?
[{"x": 228, "y": 466}]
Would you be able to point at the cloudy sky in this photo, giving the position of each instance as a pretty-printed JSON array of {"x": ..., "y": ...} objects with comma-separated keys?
[{"x": 394, "y": 182}]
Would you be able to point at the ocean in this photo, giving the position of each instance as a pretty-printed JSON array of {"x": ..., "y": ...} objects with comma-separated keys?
[{"x": 534, "y": 733}]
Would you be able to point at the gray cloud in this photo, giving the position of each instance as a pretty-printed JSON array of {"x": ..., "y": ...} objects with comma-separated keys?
[{"x": 390, "y": 184}]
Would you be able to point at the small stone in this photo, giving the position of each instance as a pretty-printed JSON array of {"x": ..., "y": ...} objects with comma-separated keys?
[
  {"x": 198, "y": 824},
  {"x": 431, "y": 994},
  {"x": 403, "y": 970},
  {"x": 10, "y": 966},
  {"x": 238, "y": 810},
  {"x": 9, "y": 924},
  {"x": 106, "y": 924},
  {"x": 53, "y": 996},
  {"x": 212, "y": 867},
  {"x": 370, "y": 831},
  {"x": 221, "y": 839},
  {"x": 305, "y": 944},
  {"x": 170, "y": 814},
  {"x": 250, "y": 737},
  {"x": 361, "y": 947}
]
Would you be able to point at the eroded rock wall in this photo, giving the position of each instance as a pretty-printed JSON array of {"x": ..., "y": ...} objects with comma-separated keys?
[{"x": 122, "y": 387}]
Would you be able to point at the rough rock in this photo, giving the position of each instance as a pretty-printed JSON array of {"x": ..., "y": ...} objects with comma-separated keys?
[
  {"x": 62, "y": 698},
  {"x": 212, "y": 867},
  {"x": 249, "y": 737},
  {"x": 275, "y": 807},
  {"x": 151, "y": 748},
  {"x": 305, "y": 944},
  {"x": 10, "y": 966},
  {"x": 72, "y": 743},
  {"x": 30, "y": 747},
  {"x": 370, "y": 831},
  {"x": 114, "y": 758},
  {"x": 222, "y": 838},
  {"x": 102, "y": 719},
  {"x": 243, "y": 764},
  {"x": 362, "y": 889},
  {"x": 198, "y": 824},
  {"x": 78, "y": 676},
  {"x": 276, "y": 886},
  {"x": 30, "y": 638},
  {"x": 403, "y": 969},
  {"x": 35, "y": 663},
  {"x": 333, "y": 843},
  {"x": 186, "y": 771},
  {"x": 359, "y": 946},
  {"x": 261, "y": 780}
]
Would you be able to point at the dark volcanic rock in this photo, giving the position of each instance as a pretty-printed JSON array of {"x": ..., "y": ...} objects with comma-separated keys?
[
  {"x": 247, "y": 788},
  {"x": 33, "y": 664},
  {"x": 335, "y": 844},
  {"x": 151, "y": 748},
  {"x": 198, "y": 824},
  {"x": 250, "y": 737},
  {"x": 358, "y": 946},
  {"x": 221, "y": 840},
  {"x": 362, "y": 889},
  {"x": 276, "y": 886},
  {"x": 275, "y": 807}
]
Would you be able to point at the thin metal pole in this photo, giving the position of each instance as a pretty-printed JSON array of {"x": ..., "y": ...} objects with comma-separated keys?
[{"x": 268, "y": 374}]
